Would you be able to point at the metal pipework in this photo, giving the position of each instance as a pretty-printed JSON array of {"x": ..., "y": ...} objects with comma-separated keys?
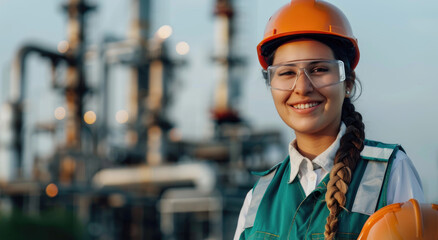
[
  {"x": 226, "y": 98},
  {"x": 223, "y": 13},
  {"x": 75, "y": 87},
  {"x": 139, "y": 80},
  {"x": 201, "y": 175},
  {"x": 17, "y": 90},
  {"x": 18, "y": 71}
]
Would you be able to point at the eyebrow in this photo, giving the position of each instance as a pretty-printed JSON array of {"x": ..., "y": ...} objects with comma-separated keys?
[{"x": 310, "y": 62}]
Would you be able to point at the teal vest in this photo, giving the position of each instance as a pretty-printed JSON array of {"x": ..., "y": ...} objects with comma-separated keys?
[{"x": 281, "y": 210}]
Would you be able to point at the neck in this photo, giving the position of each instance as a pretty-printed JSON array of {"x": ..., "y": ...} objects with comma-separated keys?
[{"x": 310, "y": 146}]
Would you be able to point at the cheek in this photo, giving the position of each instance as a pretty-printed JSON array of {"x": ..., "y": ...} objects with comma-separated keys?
[
  {"x": 336, "y": 98},
  {"x": 279, "y": 97}
]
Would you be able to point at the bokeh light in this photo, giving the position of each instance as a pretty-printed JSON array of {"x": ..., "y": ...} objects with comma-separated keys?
[
  {"x": 52, "y": 190},
  {"x": 60, "y": 113},
  {"x": 182, "y": 48},
  {"x": 122, "y": 116},
  {"x": 164, "y": 32},
  {"x": 63, "y": 46},
  {"x": 90, "y": 117}
]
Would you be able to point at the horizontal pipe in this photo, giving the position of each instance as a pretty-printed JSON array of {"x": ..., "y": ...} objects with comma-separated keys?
[{"x": 201, "y": 175}]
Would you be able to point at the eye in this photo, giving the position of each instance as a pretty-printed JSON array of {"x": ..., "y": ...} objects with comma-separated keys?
[
  {"x": 287, "y": 73},
  {"x": 320, "y": 69}
]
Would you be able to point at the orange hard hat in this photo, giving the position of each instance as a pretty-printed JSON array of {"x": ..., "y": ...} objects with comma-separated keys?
[
  {"x": 307, "y": 17},
  {"x": 399, "y": 221}
]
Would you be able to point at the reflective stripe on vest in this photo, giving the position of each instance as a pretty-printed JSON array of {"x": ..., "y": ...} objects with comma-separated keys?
[
  {"x": 257, "y": 195},
  {"x": 370, "y": 186},
  {"x": 376, "y": 153}
]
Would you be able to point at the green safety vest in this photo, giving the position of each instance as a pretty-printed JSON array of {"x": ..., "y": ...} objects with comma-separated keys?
[{"x": 281, "y": 210}]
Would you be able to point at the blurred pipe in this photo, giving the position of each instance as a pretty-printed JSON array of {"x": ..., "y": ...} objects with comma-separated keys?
[
  {"x": 75, "y": 82},
  {"x": 139, "y": 79},
  {"x": 223, "y": 13},
  {"x": 18, "y": 68},
  {"x": 17, "y": 91},
  {"x": 202, "y": 175},
  {"x": 113, "y": 52}
]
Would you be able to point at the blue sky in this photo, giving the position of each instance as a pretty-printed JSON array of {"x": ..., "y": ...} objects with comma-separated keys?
[{"x": 398, "y": 47}]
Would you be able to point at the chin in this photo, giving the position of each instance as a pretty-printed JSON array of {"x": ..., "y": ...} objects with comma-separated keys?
[{"x": 305, "y": 127}]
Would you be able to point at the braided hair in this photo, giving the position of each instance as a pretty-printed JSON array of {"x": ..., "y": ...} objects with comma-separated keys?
[
  {"x": 351, "y": 144},
  {"x": 347, "y": 156}
]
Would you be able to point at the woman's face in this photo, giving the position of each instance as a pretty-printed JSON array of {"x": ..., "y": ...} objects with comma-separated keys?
[{"x": 306, "y": 109}]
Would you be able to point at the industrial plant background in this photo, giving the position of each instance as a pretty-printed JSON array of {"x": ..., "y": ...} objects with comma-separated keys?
[{"x": 143, "y": 119}]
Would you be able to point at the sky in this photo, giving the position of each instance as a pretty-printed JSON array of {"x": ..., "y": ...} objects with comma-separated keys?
[{"x": 397, "y": 40}]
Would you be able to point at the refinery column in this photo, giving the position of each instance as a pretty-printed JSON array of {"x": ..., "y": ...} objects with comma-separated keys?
[
  {"x": 225, "y": 98},
  {"x": 75, "y": 90},
  {"x": 146, "y": 87},
  {"x": 75, "y": 87},
  {"x": 138, "y": 34},
  {"x": 160, "y": 77}
]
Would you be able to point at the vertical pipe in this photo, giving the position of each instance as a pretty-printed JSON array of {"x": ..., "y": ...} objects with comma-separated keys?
[
  {"x": 75, "y": 89},
  {"x": 75, "y": 79},
  {"x": 17, "y": 95},
  {"x": 138, "y": 33},
  {"x": 147, "y": 87},
  {"x": 224, "y": 99},
  {"x": 154, "y": 146},
  {"x": 160, "y": 69},
  {"x": 222, "y": 33},
  {"x": 102, "y": 144}
]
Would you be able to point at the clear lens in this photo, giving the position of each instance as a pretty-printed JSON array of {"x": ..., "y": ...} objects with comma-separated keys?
[{"x": 321, "y": 73}]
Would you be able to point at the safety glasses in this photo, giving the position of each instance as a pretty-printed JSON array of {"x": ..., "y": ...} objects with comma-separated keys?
[{"x": 321, "y": 73}]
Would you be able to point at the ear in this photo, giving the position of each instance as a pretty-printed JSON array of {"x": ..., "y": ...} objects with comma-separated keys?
[
  {"x": 349, "y": 84},
  {"x": 347, "y": 88},
  {"x": 347, "y": 93}
]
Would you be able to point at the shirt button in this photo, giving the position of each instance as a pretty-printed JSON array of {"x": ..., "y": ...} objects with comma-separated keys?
[{"x": 312, "y": 178}]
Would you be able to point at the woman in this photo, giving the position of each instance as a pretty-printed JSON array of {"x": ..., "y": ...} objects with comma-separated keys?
[{"x": 333, "y": 178}]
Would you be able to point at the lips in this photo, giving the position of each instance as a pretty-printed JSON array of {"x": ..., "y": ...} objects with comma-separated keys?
[{"x": 305, "y": 105}]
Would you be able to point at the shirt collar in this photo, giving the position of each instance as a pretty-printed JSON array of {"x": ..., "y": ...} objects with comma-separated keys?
[{"x": 325, "y": 159}]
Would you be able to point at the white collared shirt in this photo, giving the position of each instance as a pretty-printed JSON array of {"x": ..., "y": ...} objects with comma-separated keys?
[
  {"x": 311, "y": 172},
  {"x": 404, "y": 182}
]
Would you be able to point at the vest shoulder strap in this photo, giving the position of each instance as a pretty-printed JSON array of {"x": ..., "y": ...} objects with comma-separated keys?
[
  {"x": 378, "y": 156},
  {"x": 377, "y": 151},
  {"x": 257, "y": 194}
]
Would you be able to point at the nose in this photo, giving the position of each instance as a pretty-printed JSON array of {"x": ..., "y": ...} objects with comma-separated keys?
[{"x": 302, "y": 84}]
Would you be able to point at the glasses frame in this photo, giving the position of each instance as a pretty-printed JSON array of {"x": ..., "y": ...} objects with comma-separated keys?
[{"x": 342, "y": 74}]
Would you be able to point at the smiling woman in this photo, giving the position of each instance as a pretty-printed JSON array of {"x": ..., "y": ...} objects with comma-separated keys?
[
  {"x": 304, "y": 108},
  {"x": 333, "y": 178}
]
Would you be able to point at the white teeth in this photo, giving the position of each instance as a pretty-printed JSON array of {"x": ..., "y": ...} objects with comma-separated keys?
[{"x": 305, "y": 106}]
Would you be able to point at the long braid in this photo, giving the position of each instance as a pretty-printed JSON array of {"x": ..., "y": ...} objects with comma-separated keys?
[{"x": 345, "y": 162}]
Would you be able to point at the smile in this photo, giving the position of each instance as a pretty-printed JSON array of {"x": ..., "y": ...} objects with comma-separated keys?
[{"x": 305, "y": 105}]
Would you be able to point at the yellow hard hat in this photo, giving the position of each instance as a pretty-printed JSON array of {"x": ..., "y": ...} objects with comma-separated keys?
[
  {"x": 304, "y": 17},
  {"x": 402, "y": 221}
]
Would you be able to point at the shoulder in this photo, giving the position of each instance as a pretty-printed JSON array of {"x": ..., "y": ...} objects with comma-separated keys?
[
  {"x": 242, "y": 215},
  {"x": 403, "y": 168},
  {"x": 401, "y": 160},
  {"x": 254, "y": 196},
  {"x": 404, "y": 182}
]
